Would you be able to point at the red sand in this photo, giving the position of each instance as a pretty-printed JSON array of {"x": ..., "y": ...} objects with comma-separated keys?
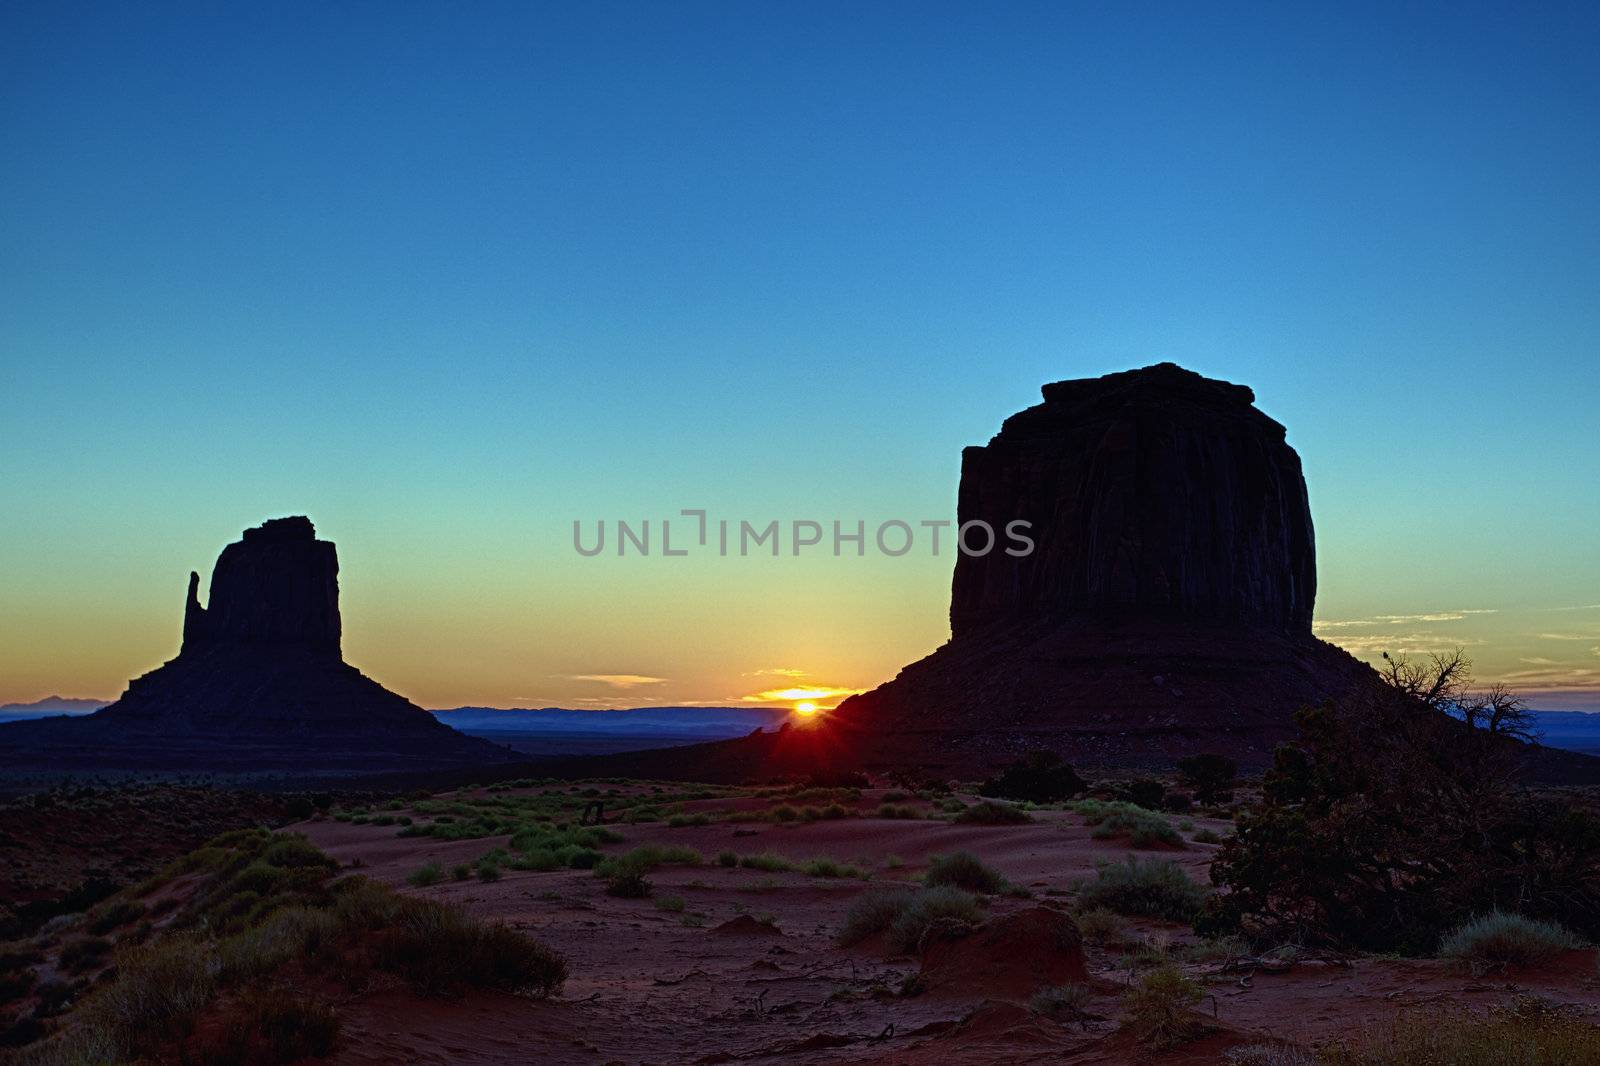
[{"x": 647, "y": 988}]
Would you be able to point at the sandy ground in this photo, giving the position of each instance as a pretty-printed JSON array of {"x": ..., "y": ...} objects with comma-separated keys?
[{"x": 647, "y": 988}]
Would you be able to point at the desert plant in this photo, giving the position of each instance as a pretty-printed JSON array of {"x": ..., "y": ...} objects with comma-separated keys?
[
  {"x": 440, "y": 951},
  {"x": 825, "y": 866},
  {"x": 1206, "y": 836},
  {"x": 1159, "y": 1008},
  {"x": 488, "y": 871},
  {"x": 727, "y": 858},
  {"x": 1526, "y": 1032},
  {"x": 873, "y": 913},
  {"x": 425, "y": 875},
  {"x": 1040, "y": 778},
  {"x": 291, "y": 1027},
  {"x": 83, "y": 953},
  {"x": 1498, "y": 939},
  {"x": 1054, "y": 1001},
  {"x": 671, "y": 904},
  {"x": 766, "y": 861},
  {"x": 110, "y": 915},
  {"x": 988, "y": 813},
  {"x": 1209, "y": 775},
  {"x": 895, "y": 810},
  {"x": 1143, "y": 828},
  {"x": 1102, "y": 926},
  {"x": 160, "y": 990},
  {"x": 1154, "y": 888},
  {"x": 963, "y": 870},
  {"x": 942, "y": 911}
]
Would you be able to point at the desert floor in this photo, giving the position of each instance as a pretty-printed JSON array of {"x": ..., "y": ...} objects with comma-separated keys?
[{"x": 748, "y": 970}]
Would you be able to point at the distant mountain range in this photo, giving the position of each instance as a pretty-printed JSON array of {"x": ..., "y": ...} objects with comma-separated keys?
[{"x": 49, "y": 707}]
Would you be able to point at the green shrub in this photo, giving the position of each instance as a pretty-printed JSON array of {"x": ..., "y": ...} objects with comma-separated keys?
[
  {"x": 1101, "y": 926},
  {"x": 963, "y": 870},
  {"x": 767, "y": 862},
  {"x": 1054, "y": 1001},
  {"x": 783, "y": 812},
  {"x": 1155, "y": 888},
  {"x": 648, "y": 857},
  {"x": 1142, "y": 827},
  {"x": 441, "y": 951},
  {"x": 428, "y": 874},
  {"x": 987, "y": 813},
  {"x": 288, "y": 933},
  {"x": 110, "y": 915},
  {"x": 873, "y": 913},
  {"x": 295, "y": 851},
  {"x": 83, "y": 953},
  {"x": 727, "y": 858},
  {"x": 823, "y": 866},
  {"x": 160, "y": 990},
  {"x": 942, "y": 911},
  {"x": 680, "y": 821},
  {"x": 1159, "y": 1008},
  {"x": 671, "y": 904},
  {"x": 1206, "y": 836},
  {"x": 460, "y": 872},
  {"x": 488, "y": 871},
  {"x": 1498, "y": 939}
]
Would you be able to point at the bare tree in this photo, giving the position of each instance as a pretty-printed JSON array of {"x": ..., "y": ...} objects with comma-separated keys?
[{"x": 1443, "y": 682}]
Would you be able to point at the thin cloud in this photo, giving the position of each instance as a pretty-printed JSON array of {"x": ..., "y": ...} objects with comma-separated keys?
[
  {"x": 791, "y": 695},
  {"x": 1399, "y": 642},
  {"x": 1537, "y": 661},
  {"x": 617, "y": 680},
  {"x": 776, "y": 671},
  {"x": 1566, "y": 636},
  {"x": 1403, "y": 619}
]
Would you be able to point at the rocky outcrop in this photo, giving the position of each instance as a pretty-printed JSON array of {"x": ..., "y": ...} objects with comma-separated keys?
[
  {"x": 1165, "y": 607},
  {"x": 278, "y": 585},
  {"x": 259, "y": 684},
  {"x": 1153, "y": 493}
]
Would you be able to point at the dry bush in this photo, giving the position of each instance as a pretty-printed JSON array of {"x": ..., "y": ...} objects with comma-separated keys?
[
  {"x": 963, "y": 870},
  {"x": 1154, "y": 888},
  {"x": 1498, "y": 939},
  {"x": 1160, "y": 1008}
]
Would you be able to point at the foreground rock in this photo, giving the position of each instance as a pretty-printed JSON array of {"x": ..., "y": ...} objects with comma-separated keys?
[{"x": 259, "y": 685}]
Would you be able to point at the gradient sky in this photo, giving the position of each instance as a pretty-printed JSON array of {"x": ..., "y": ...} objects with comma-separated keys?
[{"x": 447, "y": 277}]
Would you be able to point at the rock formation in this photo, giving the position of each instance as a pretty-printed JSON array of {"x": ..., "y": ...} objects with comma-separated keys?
[
  {"x": 259, "y": 684},
  {"x": 1166, "y": 605},
  {"x": 1153, "y": 492}
]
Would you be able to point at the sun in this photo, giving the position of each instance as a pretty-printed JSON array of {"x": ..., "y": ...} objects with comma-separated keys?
[{"x": 805, "y": 707}]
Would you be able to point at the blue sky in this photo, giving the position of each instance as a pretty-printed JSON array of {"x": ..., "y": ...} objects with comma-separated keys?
[{"x": 446, "y": 278}]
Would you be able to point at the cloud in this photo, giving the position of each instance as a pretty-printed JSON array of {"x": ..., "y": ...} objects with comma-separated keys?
[
  {"x": 1580, "y": 607},
  {"x": 1538, "y": 661},
  {"x": 776, "y": 671},
  {"x": 1566, "y": 636},
  {"x": 1404, "y": 619},
  {"x": 1399, "y": 642},
  {"x": 617, "y": 680}
]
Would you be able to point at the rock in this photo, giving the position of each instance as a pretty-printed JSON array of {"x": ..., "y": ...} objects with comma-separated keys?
[
  {"x": 259, "y": 684},
  {"x": 1007, "y": 958},
  {"x": 1153, "y": 492}
]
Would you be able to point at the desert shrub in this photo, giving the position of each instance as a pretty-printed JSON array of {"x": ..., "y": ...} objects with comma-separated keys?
[
  {"x": 627, "y": 883},
  {"x": 1040, "y": 778},
  {"x": 1154, "y": 888},
  {"x": 942, "y": 911},
  {"x": 1054, "y": 1001},
  {"x": 963, "y": 870},
  {"x": 160, "y": 990},
  {"x": 680, "y": 821},
  {"x": 987, "y": 813},
  {"x": 488, "y": 871},
  {"x": 110, "y": 915},
  {"x": 295, "y": 851},
  {"x": 428, "y": 874},
  {"x": 671, "y": 904},
  {"x": 1526, "y": 1032},
  {"x": 1206, "y": 836},
  {"x": 289, "y": 933},
  {"x": 441, "y": 951},
  {"x": 648, "y": 857},
  {"x": 1144, "y": 792},
  {"x": 825, "y": 866},
  {"x": 1143, "y": 828},
  {"x": 1102, "y": 926},
  {"x": 727, "y": 858},
  {"x": 79, "y": 955},
  {"x": 1389, "y": 823},
  {"x": 895, "y": 810},
  {"x": 767, "y": 862},
  {"x": 1159, "y": 1008},
  {"x": 853, "y": 779},
  {"x": 460, "y": 872},
  {"x": 1209, "y": 775},
  {"x": 783, "y": 812},
  {"x": 1177, "y": 802},
  {"x": 1498, "y": 939},
  {"x": 873, "y": 913},
  {"x": 291, "y": 1027},
  {"x": 834, "y": 811},
  {"x": 15, "y": 984}
]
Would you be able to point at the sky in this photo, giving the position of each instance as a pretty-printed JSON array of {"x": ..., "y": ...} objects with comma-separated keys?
[{"x": 447, "y": 278}]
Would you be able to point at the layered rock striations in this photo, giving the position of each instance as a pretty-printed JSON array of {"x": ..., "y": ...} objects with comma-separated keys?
[{"x": 259, "y": 683}]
